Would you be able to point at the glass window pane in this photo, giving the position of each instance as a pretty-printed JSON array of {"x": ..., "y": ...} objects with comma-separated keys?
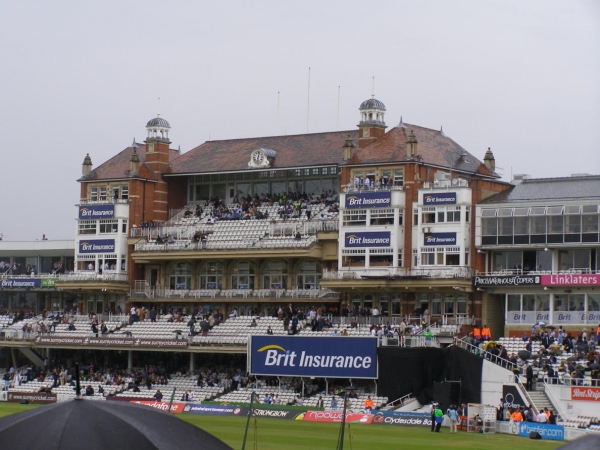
[{"x": 514, "y": 302}]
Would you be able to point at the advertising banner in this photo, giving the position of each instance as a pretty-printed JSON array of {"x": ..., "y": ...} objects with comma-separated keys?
[
  {"x": 571, "y": 280},
  {"x": 378, "y": 199},
  {"x": 506, "y": 280},
  {"x": 176, "y": 407},
  {"x": 526, "y": 317},
  {"x": 511, "y": 397},
  {"x": 218, "y": 410},
  {"x": 40, "y": 398},
  {"x": 441, "y": 198},
  {"x": 551, "y": 432},
  {"x": 439, "y": 239},
  {"x": 336, "y": 416},
  {"x": 110, "y": 342},
  {"x": 295, "y": 356},
  {"x": 367, "y": 239},
  {"x": 570, "y": 318},
  {"x": 588, "y": 394},
  {"x": 21, "y": 283},
  {"x": 96, "y": 246},
  {"x": 414, "y": 419},
  {"x": 97, "y": 211},
  {"x": 49, "y": 282}
]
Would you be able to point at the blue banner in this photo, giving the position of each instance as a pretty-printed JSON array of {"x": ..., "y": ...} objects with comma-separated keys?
[
  {"x": 97, "y": 211},
  {"x": 440, "y": 239},
  {"x": 441, "y": 198},
  {"x": 215, "y": 410},
  {"x": 21, "y": 283},
  {"x": 368, "y": 239},
  {"x": 552, "y": 432},
  {"x": 376, "y": 199},
  {"x": 296, "y": 356},
  {"x": 97, "y": 246}
]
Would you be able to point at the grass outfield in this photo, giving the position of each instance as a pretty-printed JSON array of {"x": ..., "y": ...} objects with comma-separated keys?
[
  {"x": 276, "y": 434},
  {"x": 280, "y": 434}
]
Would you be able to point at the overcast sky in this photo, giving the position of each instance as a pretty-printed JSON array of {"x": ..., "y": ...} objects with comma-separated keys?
[{"x": 521, "y": 77}]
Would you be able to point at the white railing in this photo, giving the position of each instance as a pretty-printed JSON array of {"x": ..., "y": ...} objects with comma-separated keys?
[
  {"x": 93, "y": 276},
  {"x": 397, "y": 272},
  {"x": 378, "y": 187},
  {"x": 507, "y": 272},
  {"x": 108, "y": 201},
  {"x": 142, "y": 290}
]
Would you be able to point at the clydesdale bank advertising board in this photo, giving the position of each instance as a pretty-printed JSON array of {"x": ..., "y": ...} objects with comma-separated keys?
[{"x": 297, "y": 356}]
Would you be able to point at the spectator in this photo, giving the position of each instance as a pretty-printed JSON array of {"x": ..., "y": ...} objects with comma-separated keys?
[
  {"x": 334, "y": 402},
  {"x": 269, "y": 331},
  {"x": 89, "y": 391},
  {"x": 369, "y": 404}
]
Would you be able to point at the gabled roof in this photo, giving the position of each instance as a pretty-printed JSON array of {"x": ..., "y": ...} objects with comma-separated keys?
[
  {"x": 117, "y": 167},
  {"x": 298, "y": 150},
  {"x": 550, "y": 189},
  {"x": 434, "y": 148}
]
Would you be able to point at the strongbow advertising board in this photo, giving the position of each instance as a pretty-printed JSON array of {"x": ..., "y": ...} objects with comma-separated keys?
[{"x": 332, "y": 357}]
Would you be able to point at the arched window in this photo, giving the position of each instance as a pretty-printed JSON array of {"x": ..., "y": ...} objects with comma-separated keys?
[
  {"x": 180, "y": 276},
  {"x": 242, "y": 276},
  {"x": 211, "y": 275},
  {"x": 275, "y": 275},
  {"x": 308, "y": 275}
]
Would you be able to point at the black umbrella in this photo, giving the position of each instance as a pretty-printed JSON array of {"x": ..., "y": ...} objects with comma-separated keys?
[
  {"x": 572, "y": 358},
  {"x": 102, "y": 425},
  {"x": 594, "y": 366},
  {"x": 524, "y": 354}
]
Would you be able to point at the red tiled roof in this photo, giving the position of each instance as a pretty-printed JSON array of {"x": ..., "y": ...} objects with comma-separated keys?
[
  {"x": 117, "y": 167},
  {"x": 434, "y": 149},
  {"x": 292, "y": 151}
]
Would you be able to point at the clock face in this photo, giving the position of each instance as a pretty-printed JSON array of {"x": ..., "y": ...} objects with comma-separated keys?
[{"x": 257, "y": 157}]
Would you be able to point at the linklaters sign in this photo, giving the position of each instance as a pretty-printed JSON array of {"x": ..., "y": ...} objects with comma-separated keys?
[
  {"x": 111, "y": 342},
  {"x": 506, "y": 280}
]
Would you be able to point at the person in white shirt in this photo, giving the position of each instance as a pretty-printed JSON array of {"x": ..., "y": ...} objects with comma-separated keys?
[{"x": 542, "y": 417}]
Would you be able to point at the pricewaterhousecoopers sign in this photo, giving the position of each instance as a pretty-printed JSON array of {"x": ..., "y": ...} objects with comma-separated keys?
[{"x": 332, "y": 357}]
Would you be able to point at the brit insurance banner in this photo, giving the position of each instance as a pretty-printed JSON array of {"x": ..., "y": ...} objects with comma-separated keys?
[
  {"x": 27, "y": 283},
  {"x": 442, "y": 198},
  {"x": 376, "y": 199},
  {"x": 439, "y": 239},
  {"x": 96, "y": 246},
  {"x": 97, "y": 211},
  {"x": 367, "y": 239},
  {"x": 296, "y": 356}
]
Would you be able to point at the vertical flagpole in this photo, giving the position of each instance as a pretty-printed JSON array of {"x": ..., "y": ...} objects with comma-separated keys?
[
  {"x": 373, "y": 93},
  {"x": 308, "y": 105},
  {"x": 337, "y": 124},
  {"x": 277, "y": 128}
]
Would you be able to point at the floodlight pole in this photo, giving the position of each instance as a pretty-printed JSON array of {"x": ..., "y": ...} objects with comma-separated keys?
[
  {"x": 172, "y": 397},
  {"x": 248, "y": 420}
]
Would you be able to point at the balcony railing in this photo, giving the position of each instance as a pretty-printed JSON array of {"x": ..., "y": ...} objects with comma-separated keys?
[
  {"x": 142, "y": 290},
  {"x": 85, "y": 201},
  {"x": 106, "y": 275},
  {"x": 507, "y": 272},
  {"x": 354, "y": 273}
]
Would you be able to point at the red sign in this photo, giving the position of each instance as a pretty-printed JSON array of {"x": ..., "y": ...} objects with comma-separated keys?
[
  {"x": 176, "y": 407},
  {"x": 590, "y": 394},
  {"x": 570, "y": 279},
  {"x": 336, "y": 416}
]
